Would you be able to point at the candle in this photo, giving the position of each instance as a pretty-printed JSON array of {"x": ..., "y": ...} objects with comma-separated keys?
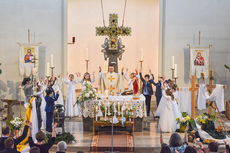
[
  {"x": 118, "y": 105},
  {"x": 122, "y": 112},
  {"x": 52, "y": 60},
  {"x": 175, "y": 71},
  {"x": 109, "y": 108},
  {"x": 48, "y": 69},
  {"x": 141, "y": 54},
  {"x": 105, "y": 112},
  {"x": 73, "y": 39},
  {"x": 87, "y": 54},
  {"x": 173, "y": 62}
]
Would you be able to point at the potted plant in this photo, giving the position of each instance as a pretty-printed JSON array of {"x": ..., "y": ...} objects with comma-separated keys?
[{"x": 183, "y": 121}]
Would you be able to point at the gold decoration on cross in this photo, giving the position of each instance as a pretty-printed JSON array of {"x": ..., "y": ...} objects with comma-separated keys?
[
  {"x": 111, "y": 88},
  {"x": 111, "y": 78},
  {"x": 113, "y": 31}
]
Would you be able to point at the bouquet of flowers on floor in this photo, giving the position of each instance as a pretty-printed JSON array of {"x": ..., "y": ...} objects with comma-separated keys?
[
  {"x": 88, "y": 93},
  {"x": 183, "y": 121},
  {"x": 205, "y": 118},
  {"x": 15, "y": 124}
]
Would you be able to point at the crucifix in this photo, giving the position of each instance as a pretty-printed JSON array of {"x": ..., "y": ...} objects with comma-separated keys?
[{"x": 112, "y": 47}]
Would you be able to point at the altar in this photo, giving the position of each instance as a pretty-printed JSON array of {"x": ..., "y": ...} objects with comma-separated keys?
[{"x": 122, "y": 111}]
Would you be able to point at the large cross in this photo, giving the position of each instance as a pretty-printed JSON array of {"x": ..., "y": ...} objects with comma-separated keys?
[
  {"x": 113, "y": 47},
  {"x": 113, "y": 31}
]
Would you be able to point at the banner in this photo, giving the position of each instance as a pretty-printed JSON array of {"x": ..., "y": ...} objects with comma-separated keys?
[
  {"x": 199, "y": 61},
  {"x": 28, "y": 59}
]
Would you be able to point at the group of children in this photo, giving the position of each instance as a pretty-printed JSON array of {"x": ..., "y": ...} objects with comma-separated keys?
[{"x": 53, "y": 95}]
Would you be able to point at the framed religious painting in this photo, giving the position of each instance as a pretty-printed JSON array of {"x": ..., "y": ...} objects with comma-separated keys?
[
  {"x": 199, "y": 61},
  {"x": 28, "y": 58}
]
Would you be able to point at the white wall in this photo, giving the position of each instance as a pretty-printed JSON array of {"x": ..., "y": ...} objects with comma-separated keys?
[
  {"x": 41, "y": 16},
  {"x": 183, "y": 19},
  {"x": 141, "y": 15}
]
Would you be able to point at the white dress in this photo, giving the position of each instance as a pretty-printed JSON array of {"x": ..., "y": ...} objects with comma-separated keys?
[
  {"x": 70, "y": 108},
  {"x": 167, "y": 121},
  {"x": 43, "y": 105},
  {"x": 176, "y": 111},
  {"x": 161, "y": 104},
  {"x": 57, "y": 87}
]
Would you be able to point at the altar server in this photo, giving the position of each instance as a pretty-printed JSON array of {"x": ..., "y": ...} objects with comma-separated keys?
[{"x": 71, "y": 109}]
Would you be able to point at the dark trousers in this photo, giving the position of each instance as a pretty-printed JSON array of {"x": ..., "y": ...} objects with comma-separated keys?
[
  {"x": 158, "y": 99},
  {"x": 49, "y": 121},
  {"x": 148, "y": 103}
]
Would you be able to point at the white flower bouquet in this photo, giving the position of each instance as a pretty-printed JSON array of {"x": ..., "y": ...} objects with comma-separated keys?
[
  {"x": 16, "y": 123},
  {"x": 88, "y": 93}
]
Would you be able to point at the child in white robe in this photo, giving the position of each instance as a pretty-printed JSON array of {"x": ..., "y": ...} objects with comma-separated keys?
[
  {"x": 167, "y": 121},
  {"x": 71, "y": 109},
  {"x": 58, "y": 83},
  {"x": 86, "y": 78},
  {"x": 41, "y": 88}
]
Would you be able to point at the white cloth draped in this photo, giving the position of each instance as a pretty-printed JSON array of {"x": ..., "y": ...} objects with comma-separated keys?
[
  {"x": 34, "y": 120},
  {"x": 184, "y": 100},
  {"x": 217, "y": 95}
]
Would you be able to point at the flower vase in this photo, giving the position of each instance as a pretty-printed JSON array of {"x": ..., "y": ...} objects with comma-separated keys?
[
  {"x": 16, "y": 134},
  {"x": 182, "y": 128}
]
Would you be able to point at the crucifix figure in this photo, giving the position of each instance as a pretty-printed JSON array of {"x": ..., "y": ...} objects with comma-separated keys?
[{"x": 112, "y": 47}]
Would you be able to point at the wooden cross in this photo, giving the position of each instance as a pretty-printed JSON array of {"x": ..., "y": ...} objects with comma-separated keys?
[
  {"x": 193, "y": 89},
  {"x": 113, "y": 31},
  {"x": 111, "y": 78}
]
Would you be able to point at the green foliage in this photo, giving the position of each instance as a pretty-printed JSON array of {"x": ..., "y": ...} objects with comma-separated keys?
[
  {"x": 67, "y": 137},
  {"x": 227, "y": 67},
  {"x": 15, "y": 124}
]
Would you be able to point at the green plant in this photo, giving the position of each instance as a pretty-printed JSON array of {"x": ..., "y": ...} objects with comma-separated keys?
[
  {"x": 15, "y": 124},
  {"x": 227, "y": 67},
  {"x": 67, "y": 137}
]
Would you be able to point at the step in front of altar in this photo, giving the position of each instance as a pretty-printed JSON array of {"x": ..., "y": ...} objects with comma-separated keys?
[{"x": 122, "y": 142}]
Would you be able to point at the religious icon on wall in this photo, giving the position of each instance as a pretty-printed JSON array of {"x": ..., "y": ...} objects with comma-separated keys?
[
  {"x": 28, "y": 59},
  {"x": 29, "y": 53},
  {"x": 199, "y": 61}
]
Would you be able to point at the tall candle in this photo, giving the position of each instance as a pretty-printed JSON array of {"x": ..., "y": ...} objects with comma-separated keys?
[
  {"x": 87, "y": 54},
  {"x": 48, "y": 69},
  {"x": 173, "y": 62},
  {"x": 52, "y": 60},
  {"x": 142, "y": 54},
  {"x": 175, "y": 71}
]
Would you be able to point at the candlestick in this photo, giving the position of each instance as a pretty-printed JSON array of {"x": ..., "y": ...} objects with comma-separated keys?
[
  {"x": 141, "y": 54},
  {"x": 173, "y": 64},
  {"x": 87, "y": 65},
  {"x": 175, "y": 70},
  {"x": 48, "y": 69},
  {"x": 118, "y": 105},
  {"x": 105, "y": 112},
  {"x": 73, "y": 39},
  {"x": 51, "y": 60},
  {"x": 87, "y": 54}
]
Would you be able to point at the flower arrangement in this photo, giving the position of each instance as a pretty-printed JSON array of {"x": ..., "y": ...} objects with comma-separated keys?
[
  {"x": 183, "y": 121},
  {"x": 15, "y": 124},
  {"x": 89, "y": 93},
  {"x": 204, "y": 118}
]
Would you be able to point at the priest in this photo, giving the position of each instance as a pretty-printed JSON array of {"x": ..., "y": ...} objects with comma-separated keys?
[{"x": 111, "y": 81}]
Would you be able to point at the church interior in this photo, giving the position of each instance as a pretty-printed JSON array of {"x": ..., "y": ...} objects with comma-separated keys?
[{"x": 114, "y": 76}]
